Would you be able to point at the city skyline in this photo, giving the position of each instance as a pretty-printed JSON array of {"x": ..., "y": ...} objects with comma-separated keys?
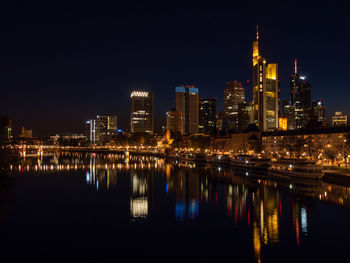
[
  {"x": 37, "y": 84},
  {"x": 207, "y": 129}
]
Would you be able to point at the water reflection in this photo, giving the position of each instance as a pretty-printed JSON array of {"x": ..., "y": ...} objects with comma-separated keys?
[
  {"x": 139, "y": 195},
  {"x": 184, "y": 185},
  {"x": 256, "y": 204}
]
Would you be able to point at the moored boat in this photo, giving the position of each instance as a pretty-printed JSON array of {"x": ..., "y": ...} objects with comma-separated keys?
[
  {"x": 294, "y": 168},
  {"x": 219, "y": 159},
  {"x": 194, "y": 157},
  {"x": 251, "y": 163}
]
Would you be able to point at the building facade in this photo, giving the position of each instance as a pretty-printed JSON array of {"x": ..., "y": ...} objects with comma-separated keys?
[
  {"x": 244, "y": 142},
  {"x": 234, "y": 95},
  {"x": 207, "y": 115},
  {"x": 245, "y": 115},
  {"x": 265, "y": 91},
  {"x": 91, "y": 131},
  {"x": 6, "y": 131},
  {"x": 141, "y": 112},
  {"x": 318, "y": 112},
  {"x": 300, "y": 98},
  {"x": 317, "y": 144},
  {"x": 174, "y": 121},
  {"x": 106, "y": 126},
  {"x": 26, "y": 133},
  {"x": 187, "y": 102},
  {"x": 339, "y": 119}
]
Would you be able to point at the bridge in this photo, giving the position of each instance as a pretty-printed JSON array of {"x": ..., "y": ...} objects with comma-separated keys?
[{"x": 51, "y": 150}]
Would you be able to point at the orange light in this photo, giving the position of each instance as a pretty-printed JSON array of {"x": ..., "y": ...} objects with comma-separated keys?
[{"x": 283, "y": 124}]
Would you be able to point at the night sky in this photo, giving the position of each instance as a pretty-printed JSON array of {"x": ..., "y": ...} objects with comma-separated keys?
[{"x": 64, "y": 62}]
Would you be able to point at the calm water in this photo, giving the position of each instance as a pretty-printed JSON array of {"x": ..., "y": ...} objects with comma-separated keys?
[{"x": 75, "y": 207}]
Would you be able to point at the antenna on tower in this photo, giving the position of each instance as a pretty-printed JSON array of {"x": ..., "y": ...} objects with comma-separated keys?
[
  {"x": 295, "y": 66},
  {"x": 257, "y": 32}
]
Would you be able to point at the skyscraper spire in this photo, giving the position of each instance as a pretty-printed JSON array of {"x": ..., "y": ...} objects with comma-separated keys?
[
  {"x": 256, "y": 56},
  {"x": 295, "y": 66}
]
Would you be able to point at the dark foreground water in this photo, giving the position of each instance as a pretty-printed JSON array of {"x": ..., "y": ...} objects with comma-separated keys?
[{"x": 103, "y": 208}]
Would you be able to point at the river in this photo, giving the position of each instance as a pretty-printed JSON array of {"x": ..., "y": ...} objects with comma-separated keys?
[{"x": 105, "y": 207}]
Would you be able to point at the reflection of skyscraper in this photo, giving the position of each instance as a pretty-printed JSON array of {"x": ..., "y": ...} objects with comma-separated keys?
[
  {"x": 91, "y": 173},
  {"x": 265, "y": 90},
  {"x": 104, "y": 178},
  {"x": 139, "y": 197},
  {"x": 266, "y": 205},
  {"x": 186, "y": 188},
  {"x": 187, "y": 102},
  {"x": 141, "y": 112}
]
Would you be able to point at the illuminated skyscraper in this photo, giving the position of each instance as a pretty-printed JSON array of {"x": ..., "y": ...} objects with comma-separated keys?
[
  {"x": 26, "y": 133},
  {"x": 141, "y": 112},
  {"x": 265, "y": 90},
  {"x": 245, "y": 115},
  {"x": 187, "y": 102},
  {"x": 106, "y": 126},
  {"x": 207, "y": 115},
  {"x": 318, "y": 112},
  {"x": 174, "y": 121},
  {"x": 300, "y": 98},
  {"x": 234, "y": 95},
  {"x": 91, "y": 131}
]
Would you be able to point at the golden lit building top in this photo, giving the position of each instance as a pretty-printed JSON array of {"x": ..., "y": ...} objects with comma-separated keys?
[
  {"x": 271, "y": 71},
  {"x": 256, "y": 56}
]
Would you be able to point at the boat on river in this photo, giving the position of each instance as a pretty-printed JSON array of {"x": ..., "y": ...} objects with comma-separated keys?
[
  {"x": 251, "y": 163},
  {"x": 295, "y": 169},
  {"x": 219, "y": 159},
  {"x": 193, "y": 157}
]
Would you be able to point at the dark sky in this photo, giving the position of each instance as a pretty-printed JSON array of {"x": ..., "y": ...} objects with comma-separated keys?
[{"x": 63, "y": 62}]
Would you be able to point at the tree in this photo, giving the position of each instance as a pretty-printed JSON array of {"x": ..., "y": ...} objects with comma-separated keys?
[
  {"x": 312, "y": 148},
  {"x": 201, "y": 142},
  {"x": 299, "y": 145},
  {"x": 345, "y": 148},
  {"x": 288, "y": 144},
  {"x": 330, "y": 154},
  {"x": 177, "y": 142},
  {"x": 220, "y": 145},
  {"x": 294, "y": 144}
]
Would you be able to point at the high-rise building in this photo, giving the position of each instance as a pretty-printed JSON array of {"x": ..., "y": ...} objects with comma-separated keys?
[
  {"x": 207, "y": 115},
  {"x": 339, "y": 119},
  {"x": 234, "y": 95},
  {"x": 8, "y": 129},
  {"x": 289, "y": 113},
  {"x": 300, "y": 98},
  {"x": 106, "y": 126},
  {"x": 318, "y": 112},
  {"x": 141, "y": 112},
  {"x": 245, "y": 115},
  {"x": 26, "y": 133},
  {"x": 265, "y": 90},
  {"x": 187, "y": 102},
  {"x": 219, "y": 120},
  {"x": 91, "y": 131},
  {"x": 174, "y": 121}
]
